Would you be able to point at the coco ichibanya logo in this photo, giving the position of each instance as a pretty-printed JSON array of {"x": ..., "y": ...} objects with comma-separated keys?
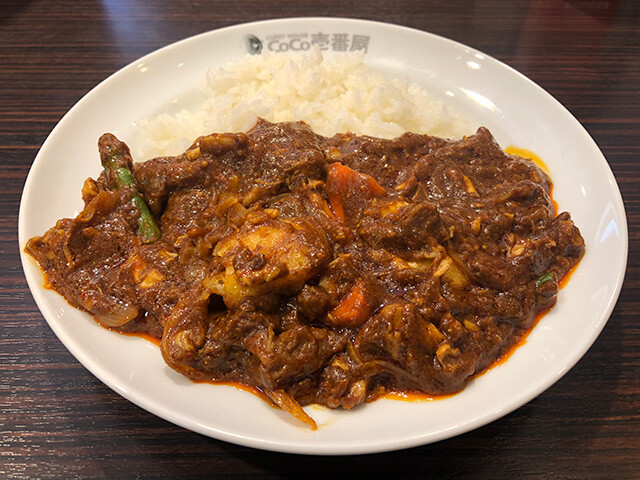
[{"x": 296, "y": 42}]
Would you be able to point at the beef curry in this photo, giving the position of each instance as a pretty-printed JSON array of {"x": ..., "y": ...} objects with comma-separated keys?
[{"x": 317, "y": 270}]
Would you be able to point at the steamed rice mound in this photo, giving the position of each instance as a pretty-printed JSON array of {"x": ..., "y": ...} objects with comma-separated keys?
[{"x": 335, "y": 94}]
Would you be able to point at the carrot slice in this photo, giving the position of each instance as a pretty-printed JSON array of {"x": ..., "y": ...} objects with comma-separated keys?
[
  {"x": 346, "y": 185},
  {"x": 353, "y": 310}
]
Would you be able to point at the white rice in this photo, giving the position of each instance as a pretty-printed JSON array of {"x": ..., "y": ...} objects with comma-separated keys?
[{"x": 334, "y": 94}]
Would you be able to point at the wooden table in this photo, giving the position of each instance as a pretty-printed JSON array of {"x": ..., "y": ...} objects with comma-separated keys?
[{"x": 58, "y": 421}]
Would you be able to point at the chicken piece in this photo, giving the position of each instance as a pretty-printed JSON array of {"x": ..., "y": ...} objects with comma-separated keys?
[{"x": 272, "y": 257}]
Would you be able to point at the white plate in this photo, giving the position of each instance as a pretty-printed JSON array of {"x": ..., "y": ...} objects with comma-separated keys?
[{"x": 489, "y": 93}]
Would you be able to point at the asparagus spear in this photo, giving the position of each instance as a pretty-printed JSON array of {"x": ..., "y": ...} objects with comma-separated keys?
[
  {"x": 544, "y": 279},
  {"x": 116, "y": 161}
]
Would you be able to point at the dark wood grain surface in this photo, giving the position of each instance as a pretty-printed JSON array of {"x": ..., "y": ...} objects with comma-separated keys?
[{"x": 58, "y": 421}]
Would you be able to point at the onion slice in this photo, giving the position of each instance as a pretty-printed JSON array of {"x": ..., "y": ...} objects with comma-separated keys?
[{"x": 118, "y": 317}]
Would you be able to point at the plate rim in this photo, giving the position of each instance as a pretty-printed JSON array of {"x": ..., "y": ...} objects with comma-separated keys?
[{"x": 367, "y": 447}]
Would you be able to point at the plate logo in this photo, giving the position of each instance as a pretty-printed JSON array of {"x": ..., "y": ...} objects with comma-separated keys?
[
  {"x": 303, "y": 41},
  {"x": 253, "y": 44}
]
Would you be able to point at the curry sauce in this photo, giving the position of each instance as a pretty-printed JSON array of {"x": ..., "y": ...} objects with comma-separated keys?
[{"x": 318, "y": 270}]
